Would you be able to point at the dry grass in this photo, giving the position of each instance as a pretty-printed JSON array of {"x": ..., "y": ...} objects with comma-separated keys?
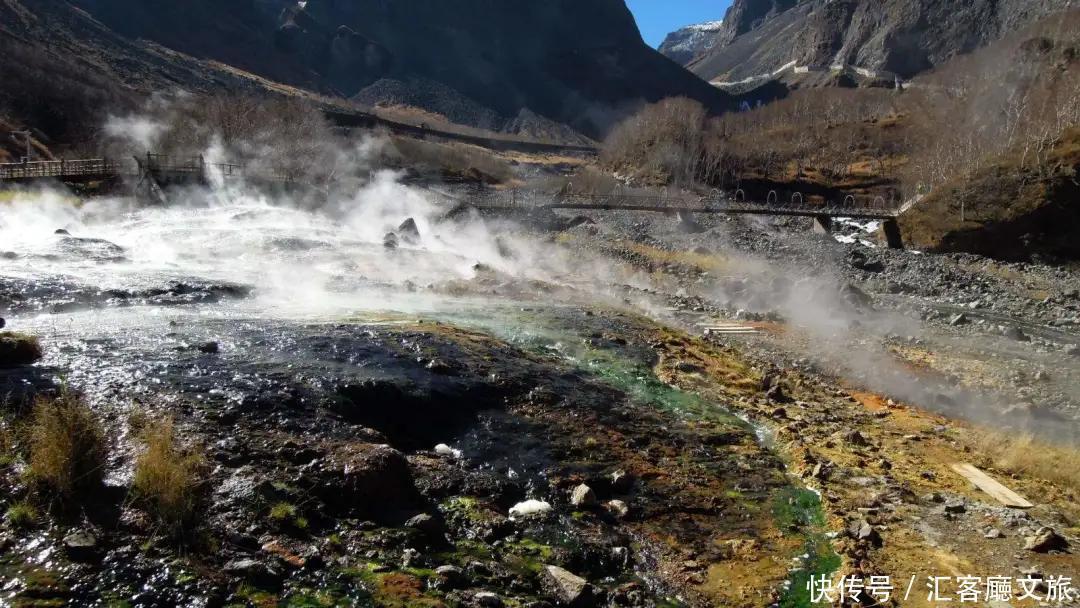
[
  {"x": 19, "y": 349},
  {"x": 168, "y": 478},
  {"x": 67, "y": 446},
  {"x": 7, "y": 445},
  {"x": 453, "y": 160},
  {"x": 22, "y": 515},
  {"x": 1026, "y": 456}
]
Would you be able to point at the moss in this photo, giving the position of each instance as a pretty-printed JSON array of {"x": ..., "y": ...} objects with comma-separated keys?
[
  {"x": 288, "y": 515},
  {"x": 19, "y": 349},
  {"x": 800, "y": 512},
  {"x": 796, "y": 509}
]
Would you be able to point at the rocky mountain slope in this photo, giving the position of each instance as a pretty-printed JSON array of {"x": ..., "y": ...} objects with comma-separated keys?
[
  {"x": 687, "y": 44},
  {"x": 904, "y": 37},
  {"x": 577, "y": 63}
]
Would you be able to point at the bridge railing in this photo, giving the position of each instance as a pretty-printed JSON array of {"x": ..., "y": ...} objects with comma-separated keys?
[
  {"x": 788, "y": 203},
  {"x": 61, "y": 168}
]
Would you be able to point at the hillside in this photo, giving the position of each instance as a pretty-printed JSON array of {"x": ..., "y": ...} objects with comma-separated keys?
[
  {"x": 687, "y": 44},
  {"x": 901, "y": 37},
  {"x": 475, "y": 62},
  {"x": 1008, "y": 210}
]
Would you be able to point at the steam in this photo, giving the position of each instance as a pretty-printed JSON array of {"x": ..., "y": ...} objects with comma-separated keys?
[{"x": 316, "y": 252}]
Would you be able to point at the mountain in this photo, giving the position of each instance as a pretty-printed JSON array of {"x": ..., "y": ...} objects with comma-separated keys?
[
  {"x": 486, "y": 63},
  {"x": 901, "y": 37},
  {"x": 684, "y": 45}
]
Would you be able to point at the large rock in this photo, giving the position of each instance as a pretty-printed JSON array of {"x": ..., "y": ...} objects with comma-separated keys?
[
  {"x": 568, "y": 588},
  {"x": 582, "y": 496},
  {"x": 1045, "y": 540},
  {"x": 81, "y": 545},
  {"x": 366, "y": 479}
]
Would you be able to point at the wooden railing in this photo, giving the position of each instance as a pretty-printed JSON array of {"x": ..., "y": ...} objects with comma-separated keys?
[{"x": 89, "y": 167}]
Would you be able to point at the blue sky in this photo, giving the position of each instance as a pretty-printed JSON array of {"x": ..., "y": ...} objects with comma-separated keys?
[{"x": 657, "y": 18}]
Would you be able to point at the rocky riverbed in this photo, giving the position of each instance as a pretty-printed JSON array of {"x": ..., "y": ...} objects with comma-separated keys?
[{"x": 481, "y": 412}]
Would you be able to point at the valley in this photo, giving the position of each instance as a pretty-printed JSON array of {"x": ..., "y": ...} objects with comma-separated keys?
[{"x": 303, "y": 307}]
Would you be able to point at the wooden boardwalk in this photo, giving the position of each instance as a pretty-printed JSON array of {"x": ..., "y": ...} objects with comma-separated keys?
[{"x": 161, "y": 167}]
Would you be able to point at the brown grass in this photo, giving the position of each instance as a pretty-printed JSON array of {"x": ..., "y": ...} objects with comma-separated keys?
[
  {"x": 67, "y": 446},
  {"x": 168, "y": 478},
  {"x": 1026, "y": 456},
  {"x": 19, "y": 349}
]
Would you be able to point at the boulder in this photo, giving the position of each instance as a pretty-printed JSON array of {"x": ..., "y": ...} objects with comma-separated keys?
[
  {"x": 390, "y": 240},
  {"x": 369, "y": 480},
  {"x": 617, "y": 508},
  {"x": 408, "y": 232},
  {"x": 254, "y": 571},
  {"x": 862, "y": 530},
  {"x": 81, "y": 545},
  {"x": 449, "y": 577},
  {"x": 433, "y": 528},
  {"x": 568, "y": 588},
  {"x": 960, "y": 319},
  {"x": 1045, "y": 540},
  {"x": 487, "y": 599},
  {"x": 955, "y": 507},
  {"x": 582, "y": 496}
]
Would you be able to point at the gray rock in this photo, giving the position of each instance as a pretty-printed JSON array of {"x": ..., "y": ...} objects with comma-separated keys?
[
  {"x": 568, "y": 588},
  {"x": 617, "y": 508},
  {"x": 487, "y": 599},
  {"x": 582, "y": 496},
  {"x": 955, "y": 507},
  {"x": 862, "y": 530},
  {"x": 253, "y": 570},
  {"x": 449, "y": 577},
  {"x": 408, "y": 232},
  {"x": 994, "y": 533},
  {"x": 431, "y": 527},
  {"x": 960, "y": 319},
  {"x": 81, "y": 544}
]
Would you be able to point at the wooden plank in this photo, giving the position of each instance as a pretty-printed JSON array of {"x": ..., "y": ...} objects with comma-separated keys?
[{"x": 989, "y": 485}]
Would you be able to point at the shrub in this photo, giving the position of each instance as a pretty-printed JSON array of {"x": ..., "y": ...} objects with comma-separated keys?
[
  {"x": 168, "y": 478},
  {"x": 18, "y": 349},
  {"x": 67, "y": 446}
]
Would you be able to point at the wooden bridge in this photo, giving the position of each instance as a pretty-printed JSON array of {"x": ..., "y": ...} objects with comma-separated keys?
[
  {"x": 792, "y": 204},
  {"x": 162, "y": 168}
]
